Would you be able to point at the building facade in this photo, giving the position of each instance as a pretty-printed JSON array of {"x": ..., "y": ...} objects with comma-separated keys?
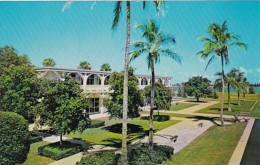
[{"x": 95, "y": 84}]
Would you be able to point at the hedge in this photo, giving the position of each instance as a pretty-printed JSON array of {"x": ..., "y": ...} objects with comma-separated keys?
[
  {"x": 57, "y": 151},
  {"x": 160, "y": 118},
  {"x": 97, "y": 123},
  {"x": 14, "y": 138},
  {"x": 34, "y": 137},
  {"x": 137, "y": 155},
  {"x": 102, "y": 158}
]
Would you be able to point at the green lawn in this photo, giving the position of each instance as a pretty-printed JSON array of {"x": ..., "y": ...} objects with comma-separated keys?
[
  {"x": 256, "y": 111},
  {"x": 170, "y": 114},
  {"x": 180, "y": 106},
  {"x": 111, "y": 133},
  {"x": 215, "y": 109},
  {"x": 214, "y": 147},
  {"x": 33, "y": 158}
]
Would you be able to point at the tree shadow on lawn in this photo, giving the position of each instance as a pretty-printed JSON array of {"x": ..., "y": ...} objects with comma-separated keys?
[
  {"x": 195, "y": 101},
  {"x": 134, "y": 132},
  {"x": 211, "y": 119}
]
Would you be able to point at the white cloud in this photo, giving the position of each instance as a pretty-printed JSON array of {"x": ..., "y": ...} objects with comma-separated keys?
[
  {"x": 93, "y": 4},
  {"x": 66, "y": 5},
  {"x": 258, "y": 70},
  {"x": 242, "y": 69},
  {"x": 250, "y": 70}
]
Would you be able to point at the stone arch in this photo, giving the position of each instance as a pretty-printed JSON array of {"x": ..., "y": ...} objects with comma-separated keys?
[
  {"x": 159, "y": 80},
  {"x": 77, "y": 76},
  {"x": 94, "y": 79},
  {"x": 144, "y": 81},
  {"x": 106, "y": 81}
]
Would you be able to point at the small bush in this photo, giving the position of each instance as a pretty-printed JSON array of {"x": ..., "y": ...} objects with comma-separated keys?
[
  {"x": 97, "y": 123},
  {"x": 14, "y": 138},
  {"x": 34, "y": 137},
  {"x": 57, "y": 151},
  {"x": 159, "y": 118},
  {"x": 141, "y": 155},
  {"x": 102, "y": 158}
]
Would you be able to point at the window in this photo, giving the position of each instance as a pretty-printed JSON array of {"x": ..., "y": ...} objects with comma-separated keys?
[{"x": 93, "y": 80}]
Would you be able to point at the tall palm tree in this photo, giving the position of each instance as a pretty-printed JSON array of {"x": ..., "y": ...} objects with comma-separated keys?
[
  {"x": 84, "y": 65},
  {"x": 48, "y": 62},
  {"x": 217, "y": 45},
  {"x": 105, "y": 67},
  {"x": 241, "y": 84},
  {"x": 117, "y": 13},
  {"x": 230, "y": 81},
  {"x": 154, "y": 46}
]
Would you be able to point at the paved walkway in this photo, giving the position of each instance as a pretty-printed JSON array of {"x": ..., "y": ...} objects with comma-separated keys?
[{"x": 186, "y": 130}]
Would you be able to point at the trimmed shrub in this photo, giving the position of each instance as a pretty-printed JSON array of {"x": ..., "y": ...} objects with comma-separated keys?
[
  {"x": 160, "y": 118},
  {"x": 137, "y": 155},
  {"x": 14, "y": 138},
  {"x": 102, "y": 158},
  {"x": 57, "y": 151},
  {"x": 141, "y": 155},
  {"x": 97, "y": 123},
  {"x": 34, "y": 137}
]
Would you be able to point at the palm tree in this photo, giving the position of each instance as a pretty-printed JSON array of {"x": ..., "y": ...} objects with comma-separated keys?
[
  {"x": 117, "y": 13},
  {"x": 84, "y": 65},
  {"x": 48, "y": 62},
  {"x": 230, "y": 81},
  {"x": 217, "y": 45},
  {"x": 105, "y": 67},
  {"x": 241, "y": 85},
  {"x": 154, "y": 46}
]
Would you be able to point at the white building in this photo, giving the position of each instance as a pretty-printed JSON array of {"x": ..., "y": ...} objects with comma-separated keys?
[{"x": 94, "y": 83}]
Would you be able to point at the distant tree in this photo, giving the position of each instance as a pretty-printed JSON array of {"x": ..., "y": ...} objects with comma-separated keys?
[
  {"x": 135, "y": 99},
  {"x": 48, "y": 62},
  {"x": 198, "y": 87},
  {"x": 84, "y": 65},
  {"x": 162, "y": 96},
  {"x": 105, "y": 67},
  {"x": 14, "y": 139},
  {"x": 19, "y": 90},
  {"x": 62, "y": 106},
  {"x": 8, "y": 57},
  {"x": 251, "y": 90}
]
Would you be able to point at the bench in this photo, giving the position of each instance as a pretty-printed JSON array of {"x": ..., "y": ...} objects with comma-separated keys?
[
  {"x": 242, "y": 116},
  {"x": 200, "y": 124}
]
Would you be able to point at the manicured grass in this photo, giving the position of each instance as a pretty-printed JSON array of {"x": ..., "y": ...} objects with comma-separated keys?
[
  {"x": 215, "y": 109},
  {"x": 180, "y": 106},
  {"x": 256, "y": 111},
  {"x": 214, "y": 147},
  {"x": 170, "y": 114},
  {"x": 33, "y": 158},
  {"x": 111, "y": 133}
]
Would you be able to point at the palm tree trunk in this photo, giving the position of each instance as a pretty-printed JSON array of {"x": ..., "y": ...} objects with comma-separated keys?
[
  {"x": 151, "y": 107},
  {"x": 223, "y": 87},
  {"x": 61, "y": 139},
  {"x": 244, "y": 96},
  {"x": 228, "y": 88},
  {"x": 238, "y": 97},
  {"x": 125, "y": 89}
]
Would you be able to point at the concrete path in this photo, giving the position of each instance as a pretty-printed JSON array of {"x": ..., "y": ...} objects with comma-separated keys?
[
  {"x": 241, "y": 146},
  {"x": 186, "y": 130}
]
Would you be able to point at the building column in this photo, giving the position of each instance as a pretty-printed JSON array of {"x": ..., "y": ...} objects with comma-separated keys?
[
  {"x": 85, "y": 83},
  {"x": 149, "y": 81},
  {"x": 102, "y": 108}
]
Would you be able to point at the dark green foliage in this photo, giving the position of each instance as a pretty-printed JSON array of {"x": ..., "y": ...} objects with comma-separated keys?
[
  {"x": 159, "y": 118},
  {"x": 14, "y": 138},
  {"x": 34, "y": 137},
  {"x": 137, "y": 155},
  {"x": 251, "y": 90},
  {"x": 135, "y": 99},
  {"x": 62, "y": 106},
  {"x": 198, "y": 86},
  {"x": 141, "y": 155},
  {"x": 97, "y": 123},
  {"x": 18, "y": 83},
  {"x": 48, "y": 62},
  {"x": 57, "y": 151},
  {"x": 8, "y": 57},
  {"x": 102, "y": 158},
  {"x": 163, "y": 96}
]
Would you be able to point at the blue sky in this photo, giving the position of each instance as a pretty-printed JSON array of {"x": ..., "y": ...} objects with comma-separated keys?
[{"x": 82, "y": 31}]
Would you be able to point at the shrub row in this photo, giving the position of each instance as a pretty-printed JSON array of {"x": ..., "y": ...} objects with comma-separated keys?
[
  {"x": 34, "y": 137},
  {"x": 57, "y": 151},
  {"x": 138, "y": 155},
  {"x": 160, "y": 118},
  {"x": 97, "y": 123},
  {"x": 102, "y": 158}
]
